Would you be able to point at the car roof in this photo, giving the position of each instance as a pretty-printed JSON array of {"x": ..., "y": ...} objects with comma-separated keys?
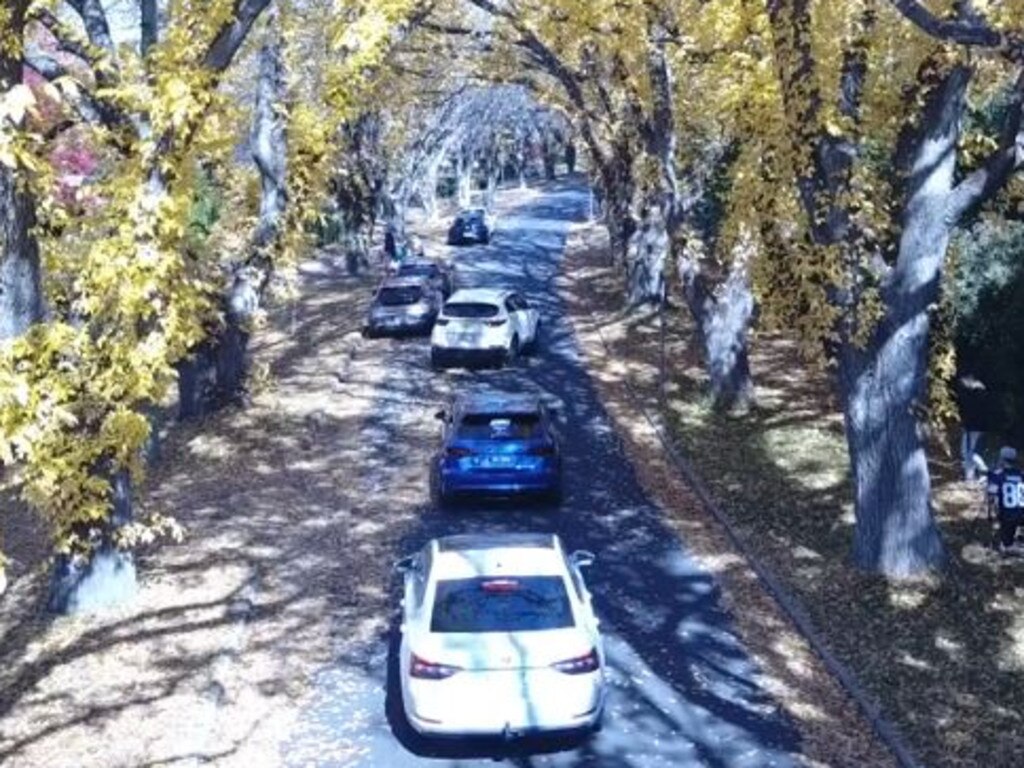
[
  {"x": 406, "y": 281},
  {"x": 479, "y": 296},
  {"x": 491, "y": 402},
  {"x": 495, "y": 554}
]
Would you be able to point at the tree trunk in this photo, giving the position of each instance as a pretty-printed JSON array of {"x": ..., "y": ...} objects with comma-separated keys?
[
  {"x": 885, "y": 386},
  {"x": 428, "y": 194},
  {"x": 493, "y": 171},
  {"x": 619, "y": 221},
  {"x": 106, "y": 577},
  {"x": 723, "y": 327},
  {"x": 197, "y": 382},
  {"x": 464, "y": 181},
  {"x": 215, "y": 374},
  {"x": 549, "y": 149},
  {"x": 647, "y": 255},
  {"x": 895, "y": 533},
  {"x": 149, "y": 25},
  {"x": 21, "y": 302}
]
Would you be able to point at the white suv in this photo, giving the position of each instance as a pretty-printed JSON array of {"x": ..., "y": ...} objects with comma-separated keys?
[{"x": 483, "y": 326}]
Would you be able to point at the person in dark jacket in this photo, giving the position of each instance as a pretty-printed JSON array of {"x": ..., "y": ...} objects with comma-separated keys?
[
  {"x": 389, "y": 243},
  {"x": 973, "y": 403}
]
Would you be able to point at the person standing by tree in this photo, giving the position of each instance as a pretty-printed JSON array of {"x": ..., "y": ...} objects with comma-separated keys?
[
  {"x": 973, "y": 404},
  {"x": 390, "y": 246},
  {"x": 1006, "y": 492}
]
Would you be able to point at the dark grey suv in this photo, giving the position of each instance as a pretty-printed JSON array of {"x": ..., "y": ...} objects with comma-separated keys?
[{"x": 403, "y": 305}]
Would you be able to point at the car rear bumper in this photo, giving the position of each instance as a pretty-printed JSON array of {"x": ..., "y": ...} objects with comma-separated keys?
[
  {"x": 500, "y": 483},
  {"x": 467, "y": 237},
  {"x": 467, "y": 356},
  {"x": 554, "y": 703},
  {"x": 401, "y": 325}
]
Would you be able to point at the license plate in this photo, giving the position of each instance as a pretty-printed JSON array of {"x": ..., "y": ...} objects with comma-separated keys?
[{"x": 497, "y": 462}]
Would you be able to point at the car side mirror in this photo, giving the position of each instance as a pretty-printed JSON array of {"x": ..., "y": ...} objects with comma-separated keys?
[
  {"x": 581, "y": 558},
  {"x": 406, "y": 564}
]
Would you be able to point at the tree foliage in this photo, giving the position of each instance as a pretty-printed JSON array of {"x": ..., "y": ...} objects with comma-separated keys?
[{"x": 128, "y": 292}]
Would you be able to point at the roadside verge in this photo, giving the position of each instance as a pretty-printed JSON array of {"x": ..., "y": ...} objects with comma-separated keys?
[{"x": 839, "y": 725}]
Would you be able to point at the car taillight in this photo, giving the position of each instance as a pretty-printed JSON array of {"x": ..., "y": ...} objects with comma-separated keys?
[
  {"x": 457, "y": 453},
  {"x": 580, "y": 664},
  {"x": 542, "y": 450},
  {"x": 428, "y": 670},
  {"x": 441, "y": 321},
  {"x": 496, "y": 323}
]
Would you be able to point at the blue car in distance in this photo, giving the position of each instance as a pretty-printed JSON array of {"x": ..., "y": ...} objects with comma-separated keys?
[{"x": 497, "y": 445}]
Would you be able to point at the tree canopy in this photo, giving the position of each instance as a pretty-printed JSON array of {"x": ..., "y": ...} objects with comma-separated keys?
[{"x": 810, "y": 159}]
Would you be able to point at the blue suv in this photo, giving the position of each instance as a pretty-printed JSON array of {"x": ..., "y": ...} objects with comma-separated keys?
[{"x": 497, "y": 444}]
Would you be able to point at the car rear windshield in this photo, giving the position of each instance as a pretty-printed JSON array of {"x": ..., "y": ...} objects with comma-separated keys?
[
  {"x": 505, "y": 604},
  {"x": 500, "y": 426},
  {"x": 418, "y": 270},
  {"x": 397, "y": 296},
  {"x": 470, "y": 310}
]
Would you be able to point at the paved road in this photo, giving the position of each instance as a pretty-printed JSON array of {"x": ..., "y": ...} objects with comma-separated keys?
[{"x": 682, "y": 690}]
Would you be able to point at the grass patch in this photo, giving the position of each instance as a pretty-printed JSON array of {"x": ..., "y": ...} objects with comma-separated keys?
[{"x": 944, "y": 657}]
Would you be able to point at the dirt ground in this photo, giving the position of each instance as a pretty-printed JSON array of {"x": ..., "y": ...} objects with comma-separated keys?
[
  {"x": 944, "y": 657},
  {"x": 210, "y": 660},
  {"x": 287, "y": 555}
]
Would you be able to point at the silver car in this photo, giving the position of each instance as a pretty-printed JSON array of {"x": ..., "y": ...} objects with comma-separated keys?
[{"x": 403, "y": 305}]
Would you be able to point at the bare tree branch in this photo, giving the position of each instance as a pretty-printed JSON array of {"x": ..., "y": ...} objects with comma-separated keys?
[
  {"x": 969, "y": 30},
  {"x": 95, "y": 20},
  {"x": 985, "y": 182},
  {"x": 231, "y": 36}
]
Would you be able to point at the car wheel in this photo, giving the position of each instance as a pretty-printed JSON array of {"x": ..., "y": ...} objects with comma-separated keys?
[
  {"x": 535, "y": 341},
  {"x": 486, "y": 239},
  {"x": 440, "y": 500},
  {"x": 436, "y": 363},
  {"x": 553, "y": 498},
  {"x": 513, "y": 351}
]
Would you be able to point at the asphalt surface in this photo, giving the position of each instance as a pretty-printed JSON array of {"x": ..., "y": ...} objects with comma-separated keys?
[{"x": 682, "y": 688}]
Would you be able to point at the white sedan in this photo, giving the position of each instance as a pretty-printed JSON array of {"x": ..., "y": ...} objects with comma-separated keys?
[
  {"x": 483, "y": 326},
  {"x": 499, "y": 638}
]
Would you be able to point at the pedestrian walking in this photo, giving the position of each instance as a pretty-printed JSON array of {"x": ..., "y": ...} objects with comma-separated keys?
[
  {"x": 1006, "y": 492},
  {"x": 389, "y": 242},
  {"x": 973, "y": 403}
]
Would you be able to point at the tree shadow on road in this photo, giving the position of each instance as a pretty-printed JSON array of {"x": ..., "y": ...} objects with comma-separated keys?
[{"x": 682, "y": 688}]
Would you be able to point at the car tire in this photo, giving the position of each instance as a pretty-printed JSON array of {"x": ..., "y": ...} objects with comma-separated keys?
[
  {"x": 512, "y": 354},
  {"x": 554, "y": 497},
  {"x": 440, "y": 500},
  {"x": 436, "y": 364},
  {"x": 486, "y": 239},
  {"x": 535, "y": 341}
]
